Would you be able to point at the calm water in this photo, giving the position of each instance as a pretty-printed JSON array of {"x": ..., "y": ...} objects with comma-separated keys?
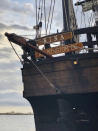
[{"x": 17, "y": 123}]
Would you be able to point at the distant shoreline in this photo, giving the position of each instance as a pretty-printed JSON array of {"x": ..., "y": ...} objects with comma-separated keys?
[{"x": 15, "y": 114}]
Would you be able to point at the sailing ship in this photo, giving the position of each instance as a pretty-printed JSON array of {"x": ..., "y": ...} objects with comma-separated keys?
[{"x": 62, "y": 90}]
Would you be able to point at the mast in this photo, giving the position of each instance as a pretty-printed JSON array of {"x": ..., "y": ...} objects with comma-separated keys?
[{"x": 69, "y": 19}]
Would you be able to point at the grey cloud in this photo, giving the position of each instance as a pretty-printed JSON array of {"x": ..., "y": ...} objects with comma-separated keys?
[
  {"x": 10, "y": 103},
  {"x": 6, "y": 87},
  {"x": 6, "y": 50},
  {"x": 5, "y": 3},
  {"x": 10, "y": 77},
  {"x": 2, "y": 26},
  {"x": 12, "y": 84},
  {"x": 5, "y": 53},
  {"x": 8, "y": 96},
  {"x": 19, "y": 27},
  {"x": 9, "y": 5},
  {"x": 27, "y": 9},
  {"x": 1, "y": 36},
  {"x": 8, "y": 64},
  {"x": 14, "y": 99}
]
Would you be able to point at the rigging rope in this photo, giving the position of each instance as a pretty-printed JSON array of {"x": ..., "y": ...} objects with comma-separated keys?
[
  {"x": 49, "y": 16},
  {"x": 41, "y": 14},
  {"x": 39, "y": 10},
  {"x": 36, "y": 12},
  {"x": 16, "y": 53},
  {"x": 84, "y": 19},
  {"x": 44, "y": 76},
  {"x": 45, "y": 16},
  {"x": 52, "y": 16}
]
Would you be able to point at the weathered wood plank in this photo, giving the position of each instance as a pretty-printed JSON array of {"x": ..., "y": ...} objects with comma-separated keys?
[
  {"x": 69, "y": 78},
  {"x": 61, "y": 49},
  {"x": 54, "y": 38}
]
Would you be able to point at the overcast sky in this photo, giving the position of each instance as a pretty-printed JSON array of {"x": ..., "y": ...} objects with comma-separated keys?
[
  {"x": 15, "y": 16},
  {"x": 18, "y": 16}
]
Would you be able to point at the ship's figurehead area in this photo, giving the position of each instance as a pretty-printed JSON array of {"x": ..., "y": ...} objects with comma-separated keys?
[{"x": 32, "y": 49}]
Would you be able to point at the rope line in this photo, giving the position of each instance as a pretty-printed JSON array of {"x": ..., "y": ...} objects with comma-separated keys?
[
  {"x": 36, "y": 12},
  {"x": 45, "y": 16},
  {"x": 16, "y": 53},
  {"x": 44, "y": 76},
  {"x": 41, "y": 13},
  {"x": 52, "y": 17},
  {"x": 49, "y": 16}
]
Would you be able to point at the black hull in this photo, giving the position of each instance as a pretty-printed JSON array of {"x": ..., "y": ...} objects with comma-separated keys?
[{"x": 68, "y": 112}]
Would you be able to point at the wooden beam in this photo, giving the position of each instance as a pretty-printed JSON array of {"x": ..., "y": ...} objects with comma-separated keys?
[
  {"x": 54, "y": 38},
  {"x": 63, "y": 36},
  {"x": 22, "y": 42},
  {"x": 91, "y": 30},
  {"x": 61, "y": 49},
  {"x": 90, "y": 43}
]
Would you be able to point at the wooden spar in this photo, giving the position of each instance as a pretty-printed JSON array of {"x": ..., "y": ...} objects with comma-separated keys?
[
  {"x": 39, "y": 51},
  {"x": 16, "y": 39},
  {"x": 54, "y": 38},
  {"x": 61, "y": 49},
  {"x": 63, "y": 36},
  {"x": 22, "y": 42}
]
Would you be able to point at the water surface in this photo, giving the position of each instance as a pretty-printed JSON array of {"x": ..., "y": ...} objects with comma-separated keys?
[{"x": 17, "y": 123}]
